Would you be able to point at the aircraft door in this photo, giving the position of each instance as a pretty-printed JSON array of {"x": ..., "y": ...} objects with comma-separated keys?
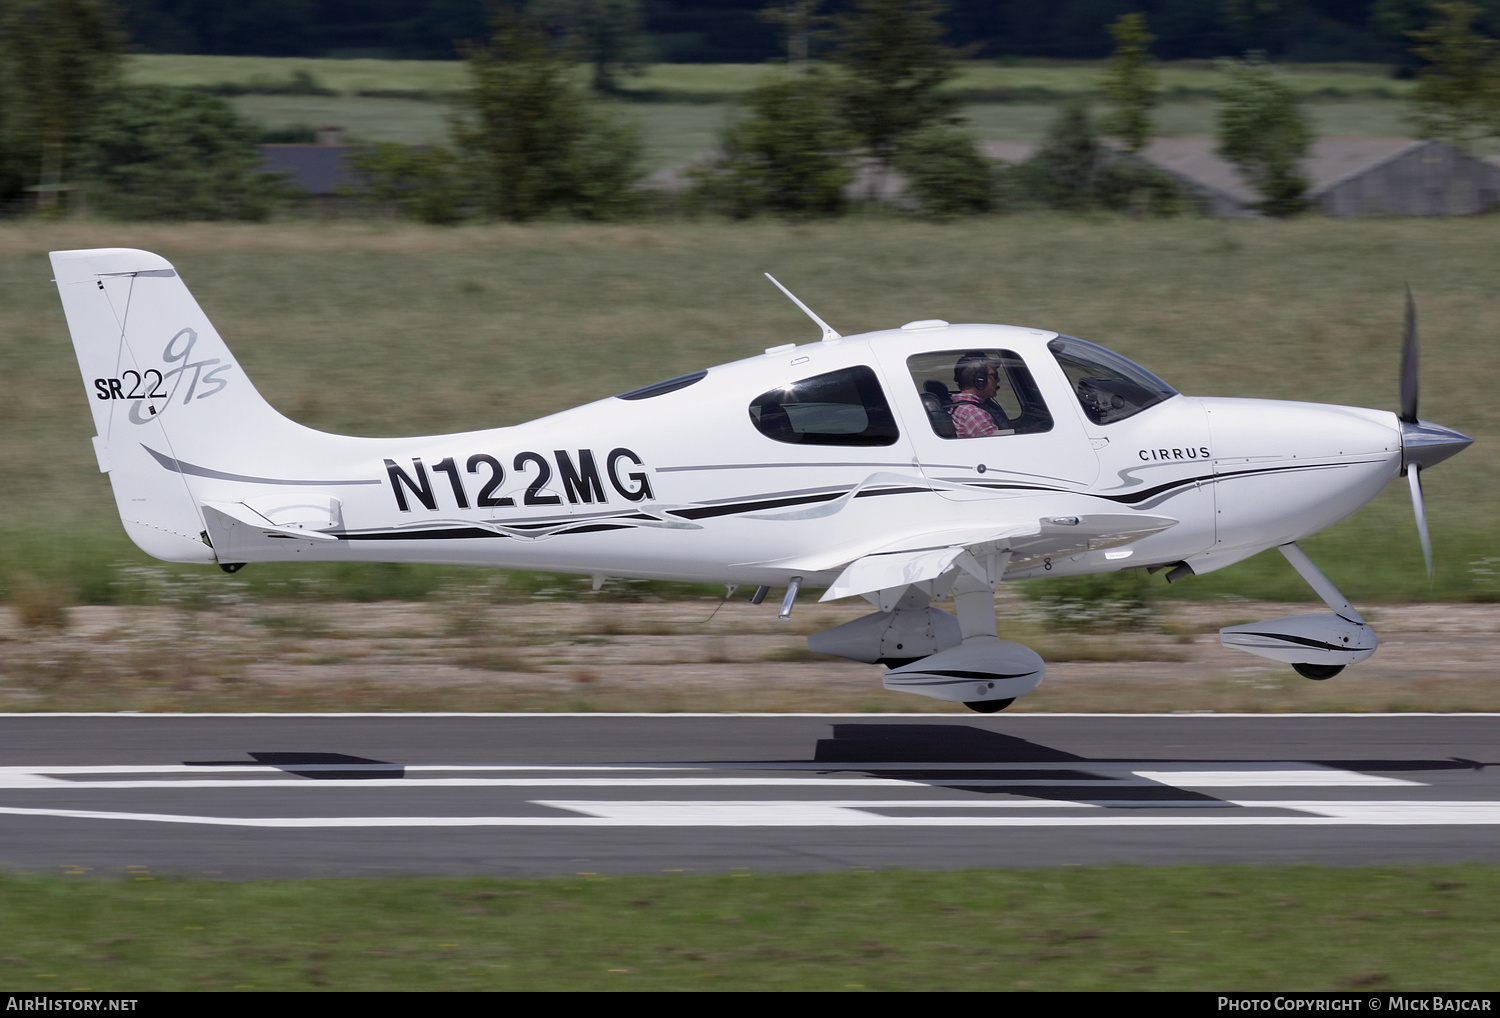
[{"x": 980, "y": 424}]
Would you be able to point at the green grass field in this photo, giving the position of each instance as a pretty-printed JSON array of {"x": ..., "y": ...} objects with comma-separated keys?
[
  {"x": 376, "y": 328},
  {"x": 1111, "y": 928},
  {"x": 674, "y": 132},
  {"x": 682, "y": 108},
  {"x": 706, "y": 81}
]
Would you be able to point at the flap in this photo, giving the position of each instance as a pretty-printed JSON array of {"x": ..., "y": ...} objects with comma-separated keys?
[
  {"x": 888, "y": 571},
  {"x": 914, "y": 559},
  {"x": 930, "y": 539}
]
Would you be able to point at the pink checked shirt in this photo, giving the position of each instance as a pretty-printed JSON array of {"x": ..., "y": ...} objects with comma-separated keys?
[{"x": 970, "y": 420}]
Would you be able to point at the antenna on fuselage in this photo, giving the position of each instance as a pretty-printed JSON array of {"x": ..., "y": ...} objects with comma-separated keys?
[{"x": 828, "y": 333}]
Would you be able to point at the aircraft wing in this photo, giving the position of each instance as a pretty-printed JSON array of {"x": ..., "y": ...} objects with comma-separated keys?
[
  {"x": 921, "y": 557},
  {"x": 1055, "y": 538},
  {"x": 891, "y": 570}
]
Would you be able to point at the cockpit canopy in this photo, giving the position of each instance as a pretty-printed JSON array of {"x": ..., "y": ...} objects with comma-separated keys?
[{"x": 1110, "y": 387}]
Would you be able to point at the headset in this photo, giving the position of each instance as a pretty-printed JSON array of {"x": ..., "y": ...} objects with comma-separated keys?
[{"x": 972, "y": 368}]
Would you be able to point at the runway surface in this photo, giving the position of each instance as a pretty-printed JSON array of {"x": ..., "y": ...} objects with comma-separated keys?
[{"x": 344, "y": 795}]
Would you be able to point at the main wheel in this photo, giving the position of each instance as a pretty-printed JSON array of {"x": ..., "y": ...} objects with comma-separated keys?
[
  {"x": 1318, "y": 672},
  {"x": 989, "y": 706}
]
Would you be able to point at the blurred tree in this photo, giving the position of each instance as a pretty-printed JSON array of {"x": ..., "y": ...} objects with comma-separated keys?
[
  {"x": 57, "y": 58},
  {"x": 1264, "y": 24},
  {"x": 273, "y": 28},
  {"x": 800, "y": 21},
  {"x": 609, "y": 35},
  {"x": 1074, "y": 171},
  {"x": 1395, "y": 20},
  {"x": 729, "y": 30},
  {"x": 1130, "y": 82},
  {"x": 788, "y": 155},
  {"x": 425, "y": 183},
  {"x": 1263, "y": 131},
  {"x": 15, "y": 169},
  {"x": 161, "y": 153},
  {"x": 533, "y": 142},
  {"x": 947, "y": 174},
  {"x": 1457, "y": 96},
  {"x": 1399, "y": 20},
  {"x": 1067, "y": 170},
  {"x": 894, "y": 63}
]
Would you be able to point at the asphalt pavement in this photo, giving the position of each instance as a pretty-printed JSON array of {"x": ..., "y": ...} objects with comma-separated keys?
[{"x": 274, "y": 795}]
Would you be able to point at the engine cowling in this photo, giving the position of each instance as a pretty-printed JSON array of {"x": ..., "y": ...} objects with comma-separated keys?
[
  {"x": 981, "y": 668},
  {"x": 1304, "y": 639}
]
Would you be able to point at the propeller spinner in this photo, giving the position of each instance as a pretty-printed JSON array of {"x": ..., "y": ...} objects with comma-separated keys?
[{"x": 1422, "y": 442}]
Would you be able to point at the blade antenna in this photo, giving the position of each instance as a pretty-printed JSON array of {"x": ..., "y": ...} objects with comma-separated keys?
[{"x": 828, "y": 333}]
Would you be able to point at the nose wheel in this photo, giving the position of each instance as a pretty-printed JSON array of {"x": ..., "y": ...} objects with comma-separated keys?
[
  {"x": 989, "y": 706},
  {"x": 1318, "y": 672}
]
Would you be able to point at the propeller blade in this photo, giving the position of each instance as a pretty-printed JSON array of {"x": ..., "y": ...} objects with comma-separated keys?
[
  {"x": 1419, "y": 508},
  {"x": 1409, "y": 363}
]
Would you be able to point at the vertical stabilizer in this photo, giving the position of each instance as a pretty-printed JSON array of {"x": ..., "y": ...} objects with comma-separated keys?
[{"x": 163, "y": 388}]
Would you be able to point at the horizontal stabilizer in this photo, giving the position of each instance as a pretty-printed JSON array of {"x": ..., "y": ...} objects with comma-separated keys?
[{"x": 238, "y": 532}]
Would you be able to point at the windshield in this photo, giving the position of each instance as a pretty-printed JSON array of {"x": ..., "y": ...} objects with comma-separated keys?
[{"x": 1109, "y": 387}]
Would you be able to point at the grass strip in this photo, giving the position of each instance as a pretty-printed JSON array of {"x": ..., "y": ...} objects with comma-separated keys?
[
  {"x": 1423, "y": 927},
  {"x": 982, "y": 79}
]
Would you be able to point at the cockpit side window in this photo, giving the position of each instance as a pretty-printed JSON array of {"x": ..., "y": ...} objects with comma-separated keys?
[
  {"x": 845, "y": 407},
  {"x": 978, "y": 393},
  {"x": 1109, "y": 387}
]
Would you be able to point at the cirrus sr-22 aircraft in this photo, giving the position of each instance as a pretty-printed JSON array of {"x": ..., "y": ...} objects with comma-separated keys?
[{"x": 903, "y": 466}]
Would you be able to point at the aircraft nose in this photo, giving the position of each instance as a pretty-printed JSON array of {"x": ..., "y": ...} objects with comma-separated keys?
[{"x": 1424, "y": 443}]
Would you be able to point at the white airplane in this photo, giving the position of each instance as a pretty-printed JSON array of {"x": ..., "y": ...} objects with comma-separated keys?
[{"x": 841, "y": 464}]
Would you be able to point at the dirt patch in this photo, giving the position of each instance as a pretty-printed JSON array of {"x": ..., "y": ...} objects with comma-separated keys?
[{"x": 670, "y": 656}]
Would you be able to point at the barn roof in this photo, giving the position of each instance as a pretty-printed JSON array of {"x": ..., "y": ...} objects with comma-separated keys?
[
  {"x": 316, "y": 169},
  {"x": 1330, "y": 161}
]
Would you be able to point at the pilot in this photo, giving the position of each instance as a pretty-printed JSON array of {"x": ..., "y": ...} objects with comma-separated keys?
[{"x": 974, "y": 410}]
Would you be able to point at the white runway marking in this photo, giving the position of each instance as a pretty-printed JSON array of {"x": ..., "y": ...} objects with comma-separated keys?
[
  {"x": 1188, "y": 775},
  {"x": 292, "y": 781},
  {"x": 805, "y": 813},
  {"x": 1319, "y": 777}
]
